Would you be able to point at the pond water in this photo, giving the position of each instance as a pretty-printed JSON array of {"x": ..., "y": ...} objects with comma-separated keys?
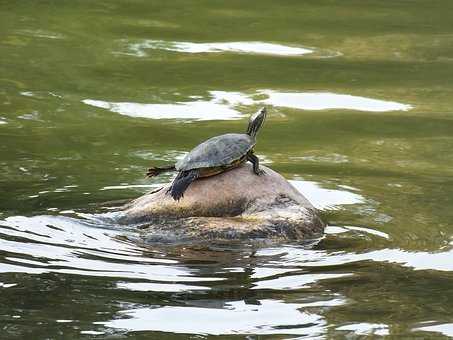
[{"x": 359, "y": 95}]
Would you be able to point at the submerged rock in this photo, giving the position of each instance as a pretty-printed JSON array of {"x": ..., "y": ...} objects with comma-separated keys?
[{"x": 236, "y": 204}]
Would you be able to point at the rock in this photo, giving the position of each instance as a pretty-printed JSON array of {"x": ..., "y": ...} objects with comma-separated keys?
[{"x": 236, "y": 204}]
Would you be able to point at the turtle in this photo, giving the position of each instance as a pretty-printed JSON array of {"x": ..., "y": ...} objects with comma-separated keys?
[{"x": 214, "y": 156}]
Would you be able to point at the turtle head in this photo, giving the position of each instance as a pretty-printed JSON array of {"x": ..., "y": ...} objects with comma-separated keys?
[{"x": 256, "y": 121}]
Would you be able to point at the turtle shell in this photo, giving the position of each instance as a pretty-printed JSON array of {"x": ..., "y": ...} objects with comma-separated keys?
[{"x": 217, "y": 151}]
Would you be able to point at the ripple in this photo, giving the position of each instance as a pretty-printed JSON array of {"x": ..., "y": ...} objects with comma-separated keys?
[
  {"x": 295, "y": 281},
  {"x": 129, "y": 186},
  {"x": 59, "y": 244},
  {"x": 221, "y": 106},
  {"x": 27, "y": 94},
  {"x": 158, "y": 287},
  {"x": 34, "y": 115},
  {"x": 294, "y": 256},
  {"x": 364, "y": 328},
  {"x": 445, "y": 329},
  {"x": 167, "y": 156},
  {"x": 91, "y": 333},
  {"x": 197, "y": 282},
  {"x": 326, "y": 199},
  {"x": 328, "y": 101},
  {"x": 40, "y": 34},
  {"x": 252, "y": 47},
  {"x": 345, "y": 229},
  {"x": 262, "y": 317},
  {"x": 330, "y": 158}
]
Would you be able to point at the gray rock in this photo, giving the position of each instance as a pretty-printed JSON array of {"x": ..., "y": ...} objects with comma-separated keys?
[{"x": 235, "y": 205}]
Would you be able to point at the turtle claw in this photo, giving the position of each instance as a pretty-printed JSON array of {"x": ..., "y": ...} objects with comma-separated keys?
[
  {"x": 152, "y": 172},
  {"x": 261, "y": 172}
]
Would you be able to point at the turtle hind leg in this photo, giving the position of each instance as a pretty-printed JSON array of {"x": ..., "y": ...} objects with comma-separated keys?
[
  {"x": 181, "y": 182},
  {"x": 155, "y": 171},
  {"x": 251, "y": 157}
]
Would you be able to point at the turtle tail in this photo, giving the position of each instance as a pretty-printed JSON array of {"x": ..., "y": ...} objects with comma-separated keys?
[{"x": 181, "y": 182}]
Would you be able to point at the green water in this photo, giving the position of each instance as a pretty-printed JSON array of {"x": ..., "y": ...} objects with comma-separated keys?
[{"x": 73, "y": 136}]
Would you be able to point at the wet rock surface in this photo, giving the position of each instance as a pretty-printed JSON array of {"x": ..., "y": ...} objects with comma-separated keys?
[{"x": 235, "y": 205}]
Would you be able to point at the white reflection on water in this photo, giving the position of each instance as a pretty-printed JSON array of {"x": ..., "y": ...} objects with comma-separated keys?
[
  {"x": 327, "y": 101},
  {"x": 221, "y": 105},
  {"x": 345, "y": 229},
  {"x": 91, "y": 333},
  {"x": 2, "y": 121},
  {"x": 129, "y": 186},
  {"x": 365, "y": 328},
  {"x": 329, "y": 158},
  {"x": 237, "y": 317},
  {"x": 252, "y": 47},
  {"x": 295, "y": 281},
  {"x": 58, "y": 244},
  {"x": 422, "y": 260},
  {"x": 38, "y": 33},
  {"x": 445, "y": 329},
  {"x": 326, "y": 199},
  {"x": 167, "y": 155},
  {"x": 158, "y": 287}
]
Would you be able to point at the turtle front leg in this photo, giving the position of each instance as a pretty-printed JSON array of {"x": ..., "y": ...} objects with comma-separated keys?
[{"x": 251, "y": 157}]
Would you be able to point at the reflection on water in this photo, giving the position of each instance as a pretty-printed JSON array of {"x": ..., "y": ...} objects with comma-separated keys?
[
  {"x": 84, "y": 247},
  {"x": 44, "y": 244},
  {"x": 445, "y": 329},
  {"x": 420, "y": 260},
  {"x": 326, "y": 101},
  {"x": 88, "y": 247},
  {"x": 326, "y": 198},
  {"x": 365, "y": 329},
  {"x": 254, "y": 47},
  {"x": 294, "y": 281},
  {"x": 259, "y": 317},
  {"x": 329, "y": 158},
  {"x": 218, "y": 107},
  {"x": 158, "y": 287},
  {"x": 222, "y": 105},
  {"x": 345, "y": 229},
  {"x": 39, "y": 33}
]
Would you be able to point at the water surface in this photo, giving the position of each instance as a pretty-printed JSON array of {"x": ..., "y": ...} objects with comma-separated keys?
[{"x": 360, "y": 121}]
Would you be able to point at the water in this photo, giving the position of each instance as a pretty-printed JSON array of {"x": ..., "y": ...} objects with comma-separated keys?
[{"x": 359, "y": 98}]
